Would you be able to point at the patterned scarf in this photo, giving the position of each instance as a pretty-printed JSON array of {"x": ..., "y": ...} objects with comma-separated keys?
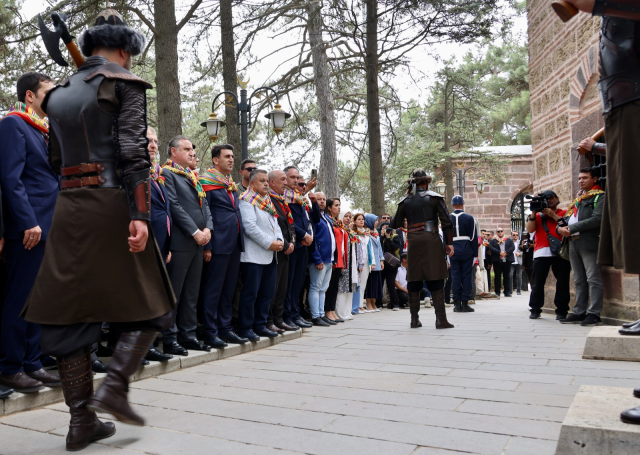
[
  {"x": 581, "y": 196},
  {"x": 189, "y": 174},
  {"x": 28, "y": 115},
  {"x": 353, "y": 236},
  {"x": 362, "y": 231},
  {"x": 502, "y": 240},
  {"x": 337, "y": 223},
  {"x": 404, "y": 231},
  {"x": 375, "y": 234},
  {"x": 285, "y": 207},
  {"x": 296, "y": 197},
  {"x": 156, "y": 173},
  {"x": 213, "y": 179},
  {"x": 262, "y": 202}
]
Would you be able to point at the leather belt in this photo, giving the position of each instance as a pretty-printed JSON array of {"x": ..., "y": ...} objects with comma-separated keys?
[
  {"x": 84, "y": 168},
  {"x": 84, "y": 181},
  {"x": 619, "y": 89},
  {"x": 428, "y": 226}
]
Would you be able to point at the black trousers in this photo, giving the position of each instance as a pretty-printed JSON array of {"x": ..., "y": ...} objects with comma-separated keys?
[
  {"x": 276, "y": 309},
  {"x": 501, "y": 269},
  {"x": 403, "y": 297},
  {"x": 561, "y": 270},
  {"x": 331, "y": 296},
  {"x": 417, "y": 286},
  {"x": 389, "y": 276},
  {"x": 488, "y": 269}
]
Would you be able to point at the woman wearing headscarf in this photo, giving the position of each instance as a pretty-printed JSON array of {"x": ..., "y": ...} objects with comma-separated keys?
[
  {"x": 364, "y": 236},
  {"x": 373, "y": 291}
]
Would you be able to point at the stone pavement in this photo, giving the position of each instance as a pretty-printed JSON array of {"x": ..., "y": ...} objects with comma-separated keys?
[{"x": 498, "y": 383}]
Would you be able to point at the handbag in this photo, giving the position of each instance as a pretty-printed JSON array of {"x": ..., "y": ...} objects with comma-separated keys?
[
  {"x": 564, "y": 249},
  {"x": 391, "y": 260},
  {"x": 555, "y": 245}
]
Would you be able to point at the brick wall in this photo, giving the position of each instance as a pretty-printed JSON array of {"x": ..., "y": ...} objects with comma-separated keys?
[{"x": 565, "y": 108}]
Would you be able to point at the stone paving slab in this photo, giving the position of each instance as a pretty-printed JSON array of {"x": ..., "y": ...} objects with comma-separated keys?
[
  {"x": 606, "y": 343},
  {"x": 499, "y": 383}
]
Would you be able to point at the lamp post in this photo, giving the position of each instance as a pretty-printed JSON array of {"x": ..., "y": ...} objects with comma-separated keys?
[
  {"x": 277, "y": 116},
  {"x": 460, "y": 179}
]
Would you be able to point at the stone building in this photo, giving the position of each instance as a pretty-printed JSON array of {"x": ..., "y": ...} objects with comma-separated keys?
[{"x": 565, "y": 108}]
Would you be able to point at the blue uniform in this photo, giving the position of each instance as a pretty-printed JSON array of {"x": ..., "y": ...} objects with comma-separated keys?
[{"x": 465, "y": 245}]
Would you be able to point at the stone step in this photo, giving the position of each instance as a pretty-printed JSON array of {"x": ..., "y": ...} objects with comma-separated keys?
[
  {"x": 605, "y": 343},
  {"x": 24, "y": 401},
  {"x": 593, "y": 425}
]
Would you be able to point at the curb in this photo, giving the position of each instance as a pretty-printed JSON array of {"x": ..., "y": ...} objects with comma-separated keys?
[{"x": 18, "y": 402}]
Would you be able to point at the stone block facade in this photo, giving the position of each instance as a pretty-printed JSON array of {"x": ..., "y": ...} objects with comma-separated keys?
[{"x": 565, "y": 108}]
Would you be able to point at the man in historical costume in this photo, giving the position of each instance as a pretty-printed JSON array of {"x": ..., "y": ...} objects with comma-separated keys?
[
  {"x": 91, "y": 273},
  {"x": 620, "y": 90},
  {"x": 426, "y": 257},
  {"x": 222, "y": 253},
  {"x": 465, "y": 243},
  {"x": 29, "y": 192}
]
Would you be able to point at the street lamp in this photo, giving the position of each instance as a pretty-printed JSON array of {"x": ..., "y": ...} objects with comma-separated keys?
[
  {"x": 441, "y": 187},
  {"x": 460, "y": 178},
  {"x": 480, "y": 186},
  {"x": 243, "y": 107}
]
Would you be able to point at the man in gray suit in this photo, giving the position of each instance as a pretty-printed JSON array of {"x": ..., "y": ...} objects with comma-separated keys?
[{"x": 192, "y": 226}]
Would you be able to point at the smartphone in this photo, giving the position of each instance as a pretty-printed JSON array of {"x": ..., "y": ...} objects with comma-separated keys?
[{"x": 314, "y": 173}]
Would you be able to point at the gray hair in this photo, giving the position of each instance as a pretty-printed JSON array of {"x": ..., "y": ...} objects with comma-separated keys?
[
  {"x": 255, "y": 172},
  {"x": 288, "y": 168},
  {"x": 175, "y": 143},
  {"x": 150, "y": 128},
  {"x": 273, "y": 174}
]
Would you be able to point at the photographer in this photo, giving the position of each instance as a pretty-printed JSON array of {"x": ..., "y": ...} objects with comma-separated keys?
[
  {"x": 392, "y": 248},
  {"x": 526, "y": 247},
  {"x": 544, "y": 221}
]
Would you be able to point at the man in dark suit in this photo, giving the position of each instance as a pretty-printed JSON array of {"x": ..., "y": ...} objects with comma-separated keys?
[
  {"x": 465, "y": 246},
  {"x": 502, "y": 248},
  {"x": 29, "y": 192},
  {"x": 277, "y": 183},
  {"x": 222, "y": 254},
  {"x": 192, "y": 227},
  {"x": 4, "y": 390}
]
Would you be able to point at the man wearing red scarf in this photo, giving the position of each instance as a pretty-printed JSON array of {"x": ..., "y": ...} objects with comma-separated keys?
[
  {"x": 29, "y": 192},
  {"x": 584, "y": 218}
]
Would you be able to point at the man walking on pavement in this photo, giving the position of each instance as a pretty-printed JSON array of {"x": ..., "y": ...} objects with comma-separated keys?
[{"x": 465, "y": 245}]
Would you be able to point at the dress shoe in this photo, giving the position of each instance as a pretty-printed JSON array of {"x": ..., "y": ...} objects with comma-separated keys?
[
  {"x": 466, "y": 308},
  {"x": 47, "y": 378},
  {"x": 233, "y": 338},
  {"x": 631, "y": 416},
  {"x": 20, "y": 382},
  {"x": 636, "y": 392},
  {"x": 302, "y": 323},
  {"x": 174, "y": 349},
  {"x": 560, "y": 317},
  {"x": 98, "y": 367},
  {"x": 215, "y": 342},
  {"x": 266, "y": 333},
  {"x": 250, "y": 335},
  {"x": 627, "y": 325},
  {"x": 591, "y": 320},
  {"x": 195, "y": 345},
  {"x": 273, "y": 328},
  {"x": 339, "y": 320},
  {"x": 328, "y": 321},
  {"x": 634, "y": 330},
  {"x": 144, "y": 362},
  {"x": 48, "y": 363},
  {"x": 104, "y": 351},
  {"x": 320, "y": 322},
  {"x": 286, "y": 327},
  {"x": 518, "y": 292},
  {"x": 573, "y": 319},
  {"x": 457, "y": 306},
  {"x": 157, "y": 356},
  {"x": 5, "y": 391},
  {"x": 508, "y": 295},
  {"x": 534, "y": 316}
]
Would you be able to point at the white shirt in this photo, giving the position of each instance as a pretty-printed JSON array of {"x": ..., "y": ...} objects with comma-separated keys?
[
  {"x": 573, "y": 219},
  {"x": 401, "y": 277},
  {"x": 517, "y": 244}
]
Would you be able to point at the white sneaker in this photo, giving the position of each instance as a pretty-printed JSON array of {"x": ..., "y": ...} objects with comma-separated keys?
[
  {"x": 427, "y": 302},
  {"x": 396, "y": 309},
  {"x": 377, "y": 310}
]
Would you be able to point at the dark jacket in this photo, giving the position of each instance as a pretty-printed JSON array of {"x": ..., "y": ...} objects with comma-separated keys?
[
  {"x": 320, "y": 249},
  {"x": 227, "y": 221},
  {"x": 186, "y": 213},
  {"x": 160, "y": 210},
  {"x": 29, "y": 185},
  {"x": 300, "y": 222},
  {"x": 509, "y": 248},
  {"x": 287, "y": 231},
  {"x": 589, "y": 220},
  {"x": 464, "y": 225},
  {"x": 393, "y": 244}
]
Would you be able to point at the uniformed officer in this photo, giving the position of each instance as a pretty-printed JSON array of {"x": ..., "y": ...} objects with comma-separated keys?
[{"x": 465, "y": 245}]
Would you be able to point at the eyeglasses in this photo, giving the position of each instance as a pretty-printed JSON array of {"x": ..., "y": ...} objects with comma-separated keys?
[
  {"x": 499, "y": 232},
  {"x": 386, "y": 217},
  {"x": 302, "y": 184},
  {"x": 250, "y": 169}
]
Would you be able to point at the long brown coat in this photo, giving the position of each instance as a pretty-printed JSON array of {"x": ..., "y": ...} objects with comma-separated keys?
[{"x": 88, "y": 273}]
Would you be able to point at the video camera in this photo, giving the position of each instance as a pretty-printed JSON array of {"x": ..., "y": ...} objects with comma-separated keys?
[{"x": 539, "y": 203}]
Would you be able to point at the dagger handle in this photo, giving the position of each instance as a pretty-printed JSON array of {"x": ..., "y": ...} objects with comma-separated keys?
[
  {"x": 564, "y": 10},
  {"x": 75, "y": 53}
]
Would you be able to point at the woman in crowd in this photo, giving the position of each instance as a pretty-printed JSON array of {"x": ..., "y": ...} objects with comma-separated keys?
[
  {"x": 367, "y": 254},
  {"x": 392, "y": 248},
  {"x": 340, "y": 258},
  {"x": 373, "y": 291},
  {"x": 350, "y": 276}
]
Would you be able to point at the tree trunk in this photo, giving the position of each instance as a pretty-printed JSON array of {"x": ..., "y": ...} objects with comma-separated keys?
[
  {"x": 328, "y": 172},
  {"x": 373, "y": 109},
  {"x": 448, "y": 167},
  {"x": 167, "y": 81},
  {"x": 230, "y": 77}
]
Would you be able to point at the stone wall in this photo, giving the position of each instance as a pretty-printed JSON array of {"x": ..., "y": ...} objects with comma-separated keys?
[{"x": 565, "y": 108}]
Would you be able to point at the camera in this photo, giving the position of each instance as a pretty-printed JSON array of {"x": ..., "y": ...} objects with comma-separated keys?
[
  {"x": 539, "y": 203},
  {"x": 389, "y": 230}
]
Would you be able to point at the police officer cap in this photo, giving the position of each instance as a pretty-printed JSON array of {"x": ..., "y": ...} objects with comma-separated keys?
[{"x": 457, "y": 200}]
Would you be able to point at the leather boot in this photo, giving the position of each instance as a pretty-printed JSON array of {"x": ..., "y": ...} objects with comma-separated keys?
[
  {"x": 457, "y": 306},
  {"x": 77, "y": 387},
  {"x": 414, "y": 308},
  {"x": 111, "y": 397},
  {"x": 465, "y": 308},
  {"x": 437, "y": 300}
]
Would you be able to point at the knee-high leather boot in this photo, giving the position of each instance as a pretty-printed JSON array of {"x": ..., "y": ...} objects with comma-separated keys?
[
  {"x": 414, "y": 308},
  {"x": 77, "y": 386},
  {"x": 437, "y": 300},
  {"x": 111, "y": 396}
]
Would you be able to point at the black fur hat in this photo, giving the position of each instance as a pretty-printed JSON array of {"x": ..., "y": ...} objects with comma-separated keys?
[{"x": 112, "y": 32}]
